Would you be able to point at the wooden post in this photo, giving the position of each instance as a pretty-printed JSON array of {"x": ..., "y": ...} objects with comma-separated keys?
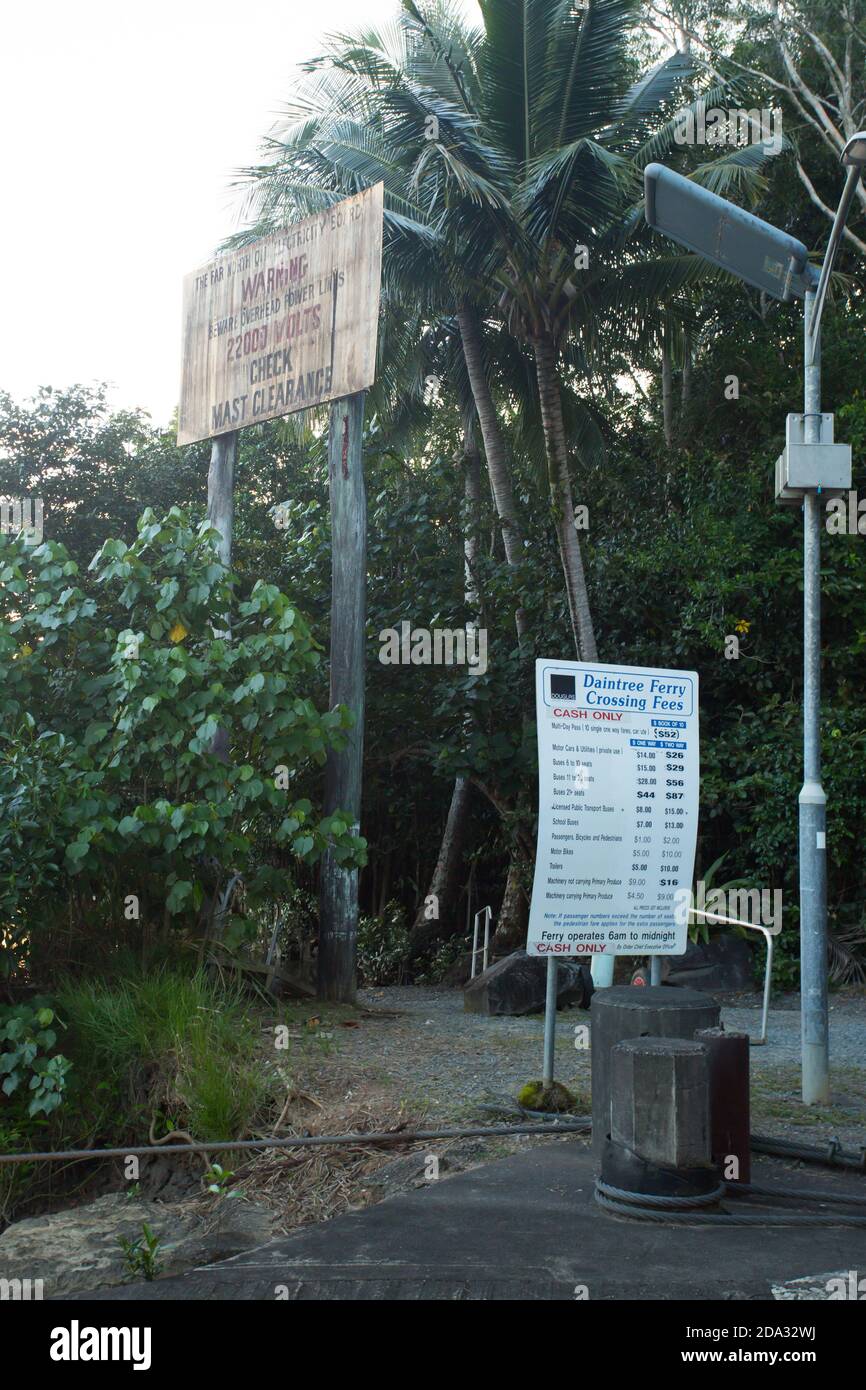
[
  {"x": 221, "y": 491},
  {"x": 621, "y": 1012},
  {"x": 660, "y": 1100},
  {"x": 728, "y": 1062},
  {"x": 338, "y": 896},
  {"x": 221, "y": 515}
]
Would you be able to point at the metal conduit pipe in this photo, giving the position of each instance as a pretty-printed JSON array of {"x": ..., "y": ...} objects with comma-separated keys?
[
  {"x": 303, "y": 1141},
  {"x": 833, "y": 1156}
]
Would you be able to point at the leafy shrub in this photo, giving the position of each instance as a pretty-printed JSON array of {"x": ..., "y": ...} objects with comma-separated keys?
[
  {"x": 26, "y": 1032},
  {"x": 140, "y": 1255},
  {"x": 15, "y": 1178},
  {"x": 118, "y": 802},
  {"x": 383, "y": 947},
  {"x": 442, "y": 959}
]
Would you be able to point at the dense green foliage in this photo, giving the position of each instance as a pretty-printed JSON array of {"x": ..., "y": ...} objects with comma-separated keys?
[
  {"x": 115, "y": 805},
  {"x": 39, "y": 1079}
]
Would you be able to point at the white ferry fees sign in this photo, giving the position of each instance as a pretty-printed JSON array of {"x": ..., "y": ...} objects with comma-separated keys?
[{"x": 618, "y": 767}]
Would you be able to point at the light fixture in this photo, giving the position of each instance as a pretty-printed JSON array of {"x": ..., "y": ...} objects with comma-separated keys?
[
  {"x": 727, "y": 235},
  {"x": 854, "y": 153}
]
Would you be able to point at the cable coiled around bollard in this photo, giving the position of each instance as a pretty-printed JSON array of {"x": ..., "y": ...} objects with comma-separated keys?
[
  {"x": 619, "y": 1195},
  {"x": 695, "y": 1210}
]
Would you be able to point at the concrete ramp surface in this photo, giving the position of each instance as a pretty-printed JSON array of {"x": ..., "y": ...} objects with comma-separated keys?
[{"x": 525, "y": 1227}]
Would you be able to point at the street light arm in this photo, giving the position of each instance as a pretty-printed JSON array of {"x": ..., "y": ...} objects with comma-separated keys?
[{"x": 832, "y": 247}]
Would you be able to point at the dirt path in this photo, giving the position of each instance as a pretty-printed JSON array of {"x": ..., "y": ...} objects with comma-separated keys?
[{"x": 417, "y": 1047}]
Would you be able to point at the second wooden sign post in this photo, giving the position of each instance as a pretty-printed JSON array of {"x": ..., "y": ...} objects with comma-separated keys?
[{"x": 338, "y": 894}]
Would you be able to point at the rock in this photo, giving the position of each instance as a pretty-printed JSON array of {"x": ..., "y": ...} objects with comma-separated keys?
[
  {"x": 517, "y": 985},
  {"x": 723, "y": 963},
  {"x": 78, "y": 1249}
]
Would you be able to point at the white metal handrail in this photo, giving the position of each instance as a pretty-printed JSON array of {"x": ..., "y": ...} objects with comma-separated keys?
[
  {"x": 768, "y": 969},
  {"x": 486, "y": 913}
]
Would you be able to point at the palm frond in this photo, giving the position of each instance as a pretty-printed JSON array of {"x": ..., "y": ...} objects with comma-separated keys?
[{"x": 585, "y": 72}]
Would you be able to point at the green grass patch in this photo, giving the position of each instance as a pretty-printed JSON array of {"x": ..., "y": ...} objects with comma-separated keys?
[
  {"x": 154, "y": 1051},
  {"x": 167, "y": 1047}
]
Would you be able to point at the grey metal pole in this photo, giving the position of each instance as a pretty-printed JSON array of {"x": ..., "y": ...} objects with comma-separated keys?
[
  {"x": 549, "y": 1021},
  {"x": 839, "y": 221},
  {"x": 655, "y": 970},
  {"x": 813, "y": 802}
]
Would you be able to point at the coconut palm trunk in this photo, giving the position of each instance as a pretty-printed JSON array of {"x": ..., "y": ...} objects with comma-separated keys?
[
  {"x": 556, "y": 449},
  {"x": 667, "y": 396},
  {"x": 438, "y": 915},
  {"x": 495, "y": 450},
  {"x": 686, "y": 383},
  {"x": 444, "y": 891},
  {"x": 513, "y": 917}
]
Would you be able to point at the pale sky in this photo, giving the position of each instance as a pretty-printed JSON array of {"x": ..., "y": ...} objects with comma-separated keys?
[{"x": 121, "y": 130}]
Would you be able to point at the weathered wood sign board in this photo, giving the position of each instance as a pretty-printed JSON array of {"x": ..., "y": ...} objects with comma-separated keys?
[{"x": 288, "y": 322}]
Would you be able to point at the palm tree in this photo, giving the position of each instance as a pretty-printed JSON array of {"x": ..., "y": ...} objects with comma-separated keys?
[
  {"x": 512, "y": 161},
  {"x": 553, "y": 139}
]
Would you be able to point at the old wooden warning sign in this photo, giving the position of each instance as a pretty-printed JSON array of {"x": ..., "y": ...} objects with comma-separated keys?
[{"x": 285, "y": 323}]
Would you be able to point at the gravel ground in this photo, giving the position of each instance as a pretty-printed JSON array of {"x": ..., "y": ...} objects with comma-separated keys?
[
  {"x": 417, "y": 1045},
  {"x": 847, "y": 1029}
]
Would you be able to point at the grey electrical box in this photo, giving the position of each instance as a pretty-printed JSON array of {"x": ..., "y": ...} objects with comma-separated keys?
[{"x": 802, "y": 468}]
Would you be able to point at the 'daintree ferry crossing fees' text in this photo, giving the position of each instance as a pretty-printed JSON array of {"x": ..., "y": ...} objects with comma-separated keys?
[
  {"x": 618, "y": 805},
  {"x": 623, "y": 692}
]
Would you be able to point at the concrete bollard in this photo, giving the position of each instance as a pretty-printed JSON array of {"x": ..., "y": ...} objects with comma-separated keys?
[
  {"x": 728, "y": 1060},
  {"x": 625, "y": 1011},
  {"x": 660, "y": 1106}
]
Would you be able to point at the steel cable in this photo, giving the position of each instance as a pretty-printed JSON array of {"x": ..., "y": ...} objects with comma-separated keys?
[{"x": 680, "y": 1211}]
